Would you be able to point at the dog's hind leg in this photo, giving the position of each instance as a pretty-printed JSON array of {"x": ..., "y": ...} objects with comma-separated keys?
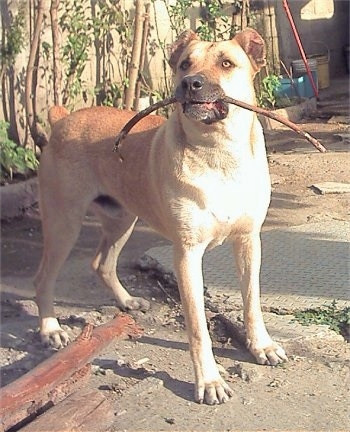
[
  {"x": 115, "y": 233},
  {"x": 247, "y": 249},
  {"x": 60, "y": 231}
]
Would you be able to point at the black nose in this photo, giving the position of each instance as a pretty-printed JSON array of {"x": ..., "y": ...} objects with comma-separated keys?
[{"x": 193, "y": 83}]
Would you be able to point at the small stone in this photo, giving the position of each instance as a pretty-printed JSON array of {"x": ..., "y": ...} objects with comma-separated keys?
[
  {"x": 146, "y": 386},
  {"x": 121, "y": 362},
  {"x": 331, "y": 188},
  {"x": 141, "y": 361},
  {"x": 275, "y": 383},
  {"x": 29, "y": 307},
  {"x": 170, "y": 420},
  {"x": 247, "y": 372},
  {"x": 276, "y": 179},
  {"x": 97, "y": 370},
  {"x": 146, "y": 262},
  {"x": 339, "y": 119}
]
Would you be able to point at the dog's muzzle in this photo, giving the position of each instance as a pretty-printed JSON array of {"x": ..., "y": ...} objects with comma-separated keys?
[{"x": 201, "y": 100}]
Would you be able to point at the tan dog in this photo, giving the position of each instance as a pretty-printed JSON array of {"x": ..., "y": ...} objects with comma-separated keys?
[{"x": 199, "y": 178}]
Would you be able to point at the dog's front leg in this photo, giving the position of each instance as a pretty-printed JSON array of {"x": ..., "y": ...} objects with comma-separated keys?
[
  {"x": 209, "y": 386},
  {"x": 247, "y": 250}
]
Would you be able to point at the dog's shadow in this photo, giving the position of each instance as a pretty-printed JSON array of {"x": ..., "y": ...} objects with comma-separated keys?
[{"x": 180, "y": 388}]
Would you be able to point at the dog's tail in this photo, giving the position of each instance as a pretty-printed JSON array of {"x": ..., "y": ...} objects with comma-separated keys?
[{"x": 57, "y": 113}]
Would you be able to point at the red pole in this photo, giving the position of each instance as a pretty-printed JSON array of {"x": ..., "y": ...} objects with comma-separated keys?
[{"x": 300, "y": 46}]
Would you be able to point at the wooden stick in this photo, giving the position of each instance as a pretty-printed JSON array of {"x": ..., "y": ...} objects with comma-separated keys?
[
  {"x": 283, "y": 120},
  {"x": 40, "y": 386},
  {"x": 137, "y": 117},
  {"x": 270, "y": 114}
]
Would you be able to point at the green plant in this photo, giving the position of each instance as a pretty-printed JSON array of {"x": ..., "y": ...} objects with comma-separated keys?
[
  {"x": 77, "y": 25},
  {"x": 109, "y": 94},
  {"x": 214, "y": 23},
  {"x": 337, "y": 319},
  {"x": 13, "y": 158},
  {"x": 267, "y": 92},
  {"x": 112, "y": 26},
  {"x": 178, "y": 14}
]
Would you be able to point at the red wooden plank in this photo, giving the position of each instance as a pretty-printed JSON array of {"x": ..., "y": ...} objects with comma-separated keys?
[
  {"x": 84, "y": 411},
  {"x": 35, "y": 389}
]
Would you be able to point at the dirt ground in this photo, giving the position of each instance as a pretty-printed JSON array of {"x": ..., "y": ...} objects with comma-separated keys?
[{"x": 150, "y": 381}]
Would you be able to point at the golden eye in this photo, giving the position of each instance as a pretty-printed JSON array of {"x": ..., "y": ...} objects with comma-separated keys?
[
  {"x": 226, "y": 64},
  {"x": 185, "y": 64}
]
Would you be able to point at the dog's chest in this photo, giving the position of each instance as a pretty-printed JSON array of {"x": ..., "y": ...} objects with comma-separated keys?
[
  {"x": 227, "y": 199},
  {"x": 209, "y": 205}
]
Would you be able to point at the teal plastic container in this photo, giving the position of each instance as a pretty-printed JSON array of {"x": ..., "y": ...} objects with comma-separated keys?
[{"x": 302, "y": 86}]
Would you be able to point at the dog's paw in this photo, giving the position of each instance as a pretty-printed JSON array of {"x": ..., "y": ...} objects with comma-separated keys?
[
  {"x": 52, "y": 334},
  {"x": 213, "y": 393},
  {"x": 271, "y": 355},
  {"x": 55, "y": 339},
  {"x": 136, "y": 303}
]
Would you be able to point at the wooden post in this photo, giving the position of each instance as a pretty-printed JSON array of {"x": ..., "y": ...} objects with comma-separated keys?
[
  {"x": 271, "y": 39},
  {"x": 240, "y": 17}
]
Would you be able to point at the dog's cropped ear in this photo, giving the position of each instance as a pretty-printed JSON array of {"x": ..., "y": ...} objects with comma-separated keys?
[
  {"x": 254, "y": 45},
  {"x": 177, "y": 47}
]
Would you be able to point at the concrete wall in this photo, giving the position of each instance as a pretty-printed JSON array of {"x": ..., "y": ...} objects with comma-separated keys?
[{"x": 323, "y": 26}]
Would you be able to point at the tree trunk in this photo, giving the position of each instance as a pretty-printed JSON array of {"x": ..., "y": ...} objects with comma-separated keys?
[
  {"x": 145, "y": 32},
  {"x": 135, "y": 55},
  {"x": 57, "y": 70},
  {"x": 39, "y": 136}
]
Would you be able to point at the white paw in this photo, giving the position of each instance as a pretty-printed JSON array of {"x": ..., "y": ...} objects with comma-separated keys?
[
  {"x": 136, "y": 303},
  {"x": 214, "y": 392},
  {"x": 52, "y": 334},
  {"x": 270, "y": 355},
  {"x": 56, "y": 339}
]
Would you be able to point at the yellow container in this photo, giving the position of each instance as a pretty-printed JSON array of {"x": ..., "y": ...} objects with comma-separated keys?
[
  {"x": 322, "y": 65},
  {"x": 322, "y": 69}
]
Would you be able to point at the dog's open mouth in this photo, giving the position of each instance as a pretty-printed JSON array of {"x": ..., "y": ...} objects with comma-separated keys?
[{"x": 206, "y": 111}]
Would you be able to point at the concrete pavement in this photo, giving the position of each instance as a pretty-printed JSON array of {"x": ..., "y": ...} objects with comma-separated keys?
[{"x": 303, "y": 267}]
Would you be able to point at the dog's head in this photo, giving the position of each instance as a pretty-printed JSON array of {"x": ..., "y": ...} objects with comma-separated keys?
[{"x": 207, "y": 71}]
